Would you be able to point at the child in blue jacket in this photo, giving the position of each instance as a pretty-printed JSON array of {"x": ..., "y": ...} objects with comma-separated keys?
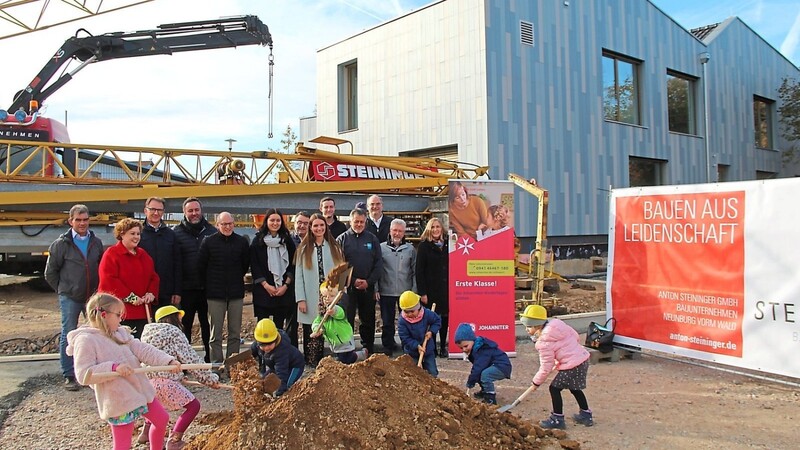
[
  {"x": 415, "y": 323},
  {"x": 489, "y": 363},
  {"x": 275, "y": 353}
]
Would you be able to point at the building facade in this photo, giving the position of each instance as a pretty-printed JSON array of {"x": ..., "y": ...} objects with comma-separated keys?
[{"x": 581, "y": 95}]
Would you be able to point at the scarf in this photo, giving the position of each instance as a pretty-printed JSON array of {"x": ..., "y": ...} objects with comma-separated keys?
[
  {"x": 415, "y": 320},
  {"x": 277, "y": 258}
]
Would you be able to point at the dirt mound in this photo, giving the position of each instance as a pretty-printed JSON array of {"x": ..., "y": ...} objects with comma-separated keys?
[{"x": 376, "y": 404}]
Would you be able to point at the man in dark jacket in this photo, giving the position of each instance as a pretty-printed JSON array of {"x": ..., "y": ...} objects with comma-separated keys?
[
  {"x": 377, "y": 223},
  {"x": 189, "y": 234},
  {"x": 159, "y": 241},
  {"x": 363, "y": 251},
  {"x": 222, "y": 261},
  {"x": 72, "y": 271},
  {"x": 327, "y": 206}
]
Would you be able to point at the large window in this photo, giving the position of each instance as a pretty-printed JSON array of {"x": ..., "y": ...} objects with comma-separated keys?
[
  {"x": 646, "y": 172},
  {"x": 621, "y": 89},
  {"x": 762, "y": 121},
  {"x": 348, "y": 96},
  {"x": 681, "y": 103}
]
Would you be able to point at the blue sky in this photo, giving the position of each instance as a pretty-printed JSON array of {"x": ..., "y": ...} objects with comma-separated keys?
[{"x": 199, "y": 99}]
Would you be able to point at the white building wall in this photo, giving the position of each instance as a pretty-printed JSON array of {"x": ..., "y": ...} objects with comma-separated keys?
[{"x": 419, "y": 86}]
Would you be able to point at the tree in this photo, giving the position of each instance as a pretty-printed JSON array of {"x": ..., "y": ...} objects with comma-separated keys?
[{"x": 789, "y": 113}]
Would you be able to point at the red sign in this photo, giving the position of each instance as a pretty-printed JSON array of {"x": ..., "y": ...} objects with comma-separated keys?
[{"x": 337, "y": 171}]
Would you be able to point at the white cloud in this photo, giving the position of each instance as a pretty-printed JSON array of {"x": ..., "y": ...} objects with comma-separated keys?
[
  {"x": 792, "y": 40},
  {"x": 194, "y": 99}
]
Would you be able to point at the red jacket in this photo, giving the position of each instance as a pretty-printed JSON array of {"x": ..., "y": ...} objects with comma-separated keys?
[{"x": 123, "y": 273}]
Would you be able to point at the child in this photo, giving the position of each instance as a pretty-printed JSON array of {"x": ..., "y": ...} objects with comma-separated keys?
[
  {"x": 167, "y": 335},
  {"x": 489, "y": 363},
  {"x": 415, "y": 324},
  {"x": 274, "y": 352},
  {"x": 105, "y": 346},
  {"x": 559, "y": 349},
  {"x": 336, "y": 329}
]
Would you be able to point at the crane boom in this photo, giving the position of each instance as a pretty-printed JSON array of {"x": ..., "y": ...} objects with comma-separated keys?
[{"x": 165, "y": 40}]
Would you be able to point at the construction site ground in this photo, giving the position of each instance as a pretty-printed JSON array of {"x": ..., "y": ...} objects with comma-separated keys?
[{"x": 649, "y": 402}]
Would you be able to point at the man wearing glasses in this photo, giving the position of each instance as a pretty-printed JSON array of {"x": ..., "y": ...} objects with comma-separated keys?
[
  {"x": 223, "y": 261},
  {"x": 72, "y": 270},
  {"x": 159, "y": 241}
]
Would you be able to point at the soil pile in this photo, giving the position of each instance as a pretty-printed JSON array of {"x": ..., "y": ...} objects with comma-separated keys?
[{"x": 376, "y": 404}]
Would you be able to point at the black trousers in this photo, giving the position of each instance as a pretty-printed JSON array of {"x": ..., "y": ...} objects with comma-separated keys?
[
  {"x": 194, "y": 302},
  {"x": 364, "y": 303}
]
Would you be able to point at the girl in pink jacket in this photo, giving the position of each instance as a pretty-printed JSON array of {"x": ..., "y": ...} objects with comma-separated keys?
[
  {"x": 559, "y": 349},
  {"x": 104, "y": 346}
]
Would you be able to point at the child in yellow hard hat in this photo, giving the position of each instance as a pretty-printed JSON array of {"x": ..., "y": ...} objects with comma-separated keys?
[
  {"x": 336, "y": 330},
  {"x": 167, "y": 335},
  {"x": 275, "y": 354},
  {"x": 416, "y": 323},
  {"x": 489, "y": 362},
  {"x": 560, "y": 350}
]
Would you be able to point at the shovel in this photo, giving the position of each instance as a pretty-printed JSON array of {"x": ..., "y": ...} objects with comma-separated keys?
[
  {"x": 518, "y": 400},
  {"x": 271, "y": 383},
  {"x": 155, "y": 369},
  {"x": 197, "y": 383},
  {"x": 240, "y": 357},
  {"x": 425, "y": 341}
]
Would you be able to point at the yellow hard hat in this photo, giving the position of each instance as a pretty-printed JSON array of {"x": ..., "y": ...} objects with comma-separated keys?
[
  {"x": 165, "y": 311},
  {"x": 408, "y": 300},
  {"x": 265, "y": 331},
  {"x": 534, "y": 315}
]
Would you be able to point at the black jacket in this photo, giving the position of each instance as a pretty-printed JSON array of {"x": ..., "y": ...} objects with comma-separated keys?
[
  {"x": 337, "y": 227},
  {"x": 381, "y": 232},
  {"x": 189, "y": 238},
  {"x": 259, "y": 267},
  {"x": 432, "y": 274},
  {"x": 363, "y": 253},
  {"x": 222, "y": 262},
  {"x": 281, "y": 360},
  {"x": 162, "y": 246}
]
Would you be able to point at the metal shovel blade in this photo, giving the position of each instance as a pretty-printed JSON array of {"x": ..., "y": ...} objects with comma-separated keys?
[
  {"x": 518, "y": 400},
  {"x": 237, "y": 358},
  {"x": 507, "y": 407},
  {"x": 271, "y": 383}
]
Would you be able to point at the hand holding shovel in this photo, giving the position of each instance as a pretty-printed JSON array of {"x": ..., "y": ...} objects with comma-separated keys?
[{"x": 519, "y": 399}]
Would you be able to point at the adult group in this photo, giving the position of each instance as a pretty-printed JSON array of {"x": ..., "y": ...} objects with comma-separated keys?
[{"x": 200, "y": 268}]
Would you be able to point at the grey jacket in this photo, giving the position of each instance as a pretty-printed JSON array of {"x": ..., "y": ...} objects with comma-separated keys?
[
  {"x": 397, "y": 275},
  {"x": 68, "y": 272}
]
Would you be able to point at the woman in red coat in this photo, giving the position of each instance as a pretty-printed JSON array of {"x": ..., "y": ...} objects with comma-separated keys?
[{"x": 128, "y": 273}]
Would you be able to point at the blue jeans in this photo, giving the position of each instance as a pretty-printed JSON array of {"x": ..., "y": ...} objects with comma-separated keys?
[
  {"x": 489, "y": 376},
  {"x": 429, "y": 364},
  {"x": 70, "y": 312}
]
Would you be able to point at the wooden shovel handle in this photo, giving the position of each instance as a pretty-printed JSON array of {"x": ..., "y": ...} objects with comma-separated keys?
[
  {"x": 197, "y": 383},
  {"x": 156, "y": 369},
  {"x": 425, "y": 341},
  {"x": 332, "y": 305},
  {"x": 149, "y": 315},
  {"x": 524, "y": 394}
]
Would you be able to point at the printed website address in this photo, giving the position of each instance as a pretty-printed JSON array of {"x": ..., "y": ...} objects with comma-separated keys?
[{"x": 701, "y": 341}]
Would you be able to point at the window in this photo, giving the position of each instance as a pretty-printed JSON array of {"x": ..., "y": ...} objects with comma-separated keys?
[
  {"x": 722, "y": 172},
  {"x": 348, "y": 96},
  {"x": 621, "y": 89},
  {"x": 762, "y": 121},
  {"x": 761, "y": 175},
  {"x": 646, "y": 172},
  {"x": 681, "y": 103}
]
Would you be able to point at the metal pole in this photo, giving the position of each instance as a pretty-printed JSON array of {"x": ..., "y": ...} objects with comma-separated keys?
[{"x": 704, "y": 57}]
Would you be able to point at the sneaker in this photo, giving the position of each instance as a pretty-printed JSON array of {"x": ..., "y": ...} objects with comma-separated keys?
[
  {"x": 555, "y": 421},
  {"x": 584, "y": 418},
  {"x": 71, "y": 385},
  {"x": 480, "y": 395}
]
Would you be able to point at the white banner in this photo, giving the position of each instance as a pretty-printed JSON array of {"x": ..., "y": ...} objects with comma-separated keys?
[{"x": 709, "y": 272}]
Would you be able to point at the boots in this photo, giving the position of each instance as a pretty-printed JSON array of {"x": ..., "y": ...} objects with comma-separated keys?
[
  {"x": 175, "y": 441},
  {"x": 362, "y": 355},
  {"x": 144, "y": 436},
  {"x": 555, "y": 421},
  {"x": 584, "y": 417},
  {"x": 490, "y": 398},
  {"x": 443, "y": 351}
]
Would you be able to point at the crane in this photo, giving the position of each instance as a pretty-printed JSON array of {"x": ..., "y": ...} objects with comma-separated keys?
[{"x": 164, "y": 40}]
